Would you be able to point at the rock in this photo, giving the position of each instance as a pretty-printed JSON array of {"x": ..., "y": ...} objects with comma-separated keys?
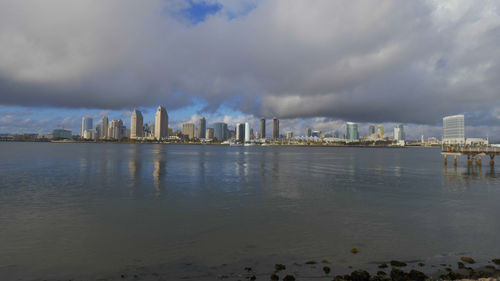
[
  {"x": 248, "y": 269},
  {"x": 326, "y": 269},
  {"x": 489, "y": 266},
  {"x": 398, "y": 275},
  {"x": 354, "y": 250},
  {"x": 253, "y": 277},
  {"x": 398, "y": 263},
  {"x": 279, "y": 267},
  {"x": 448, "y": 269},
  {"x": 275, "y": 277},
  {"x": 380, "y": 272},
  {"x": 311, "y": 262},
  {"x": 384, "y": 265},
  {"x": 461, "y": 265},
  {"x": 289, "y": 278},
  {"x": 338, "y": 278},
  {"x": 421, "y": 264},
  {"x": 496, "y": 261},
  {"x": 468, "y": 259},
  {"x": 452, "y": 276},
  {"x": 417, "y": 275},
  {"x": 360, "y": 275},
  {"x": 325, "y": 261}
]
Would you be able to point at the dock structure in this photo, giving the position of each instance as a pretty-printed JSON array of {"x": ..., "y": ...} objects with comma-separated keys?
[{"x": 474, "y": 154}]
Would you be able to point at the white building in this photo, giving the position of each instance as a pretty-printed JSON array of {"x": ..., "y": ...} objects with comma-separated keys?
[
  {"x": 86, "y": 125},
  {"x": 136, "y": 125},
  {"x": 247, "y": 132},
  {"x": 454, "y": 129},
  {"x": 399, "y": 133},
  {"x": 161, "y": 123},
  {"x": 90, "y": 134},
  {"x": 116, "y": 130}
]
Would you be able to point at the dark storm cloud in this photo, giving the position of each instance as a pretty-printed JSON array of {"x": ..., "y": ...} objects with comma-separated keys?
[{"x": 365, "y": 61}]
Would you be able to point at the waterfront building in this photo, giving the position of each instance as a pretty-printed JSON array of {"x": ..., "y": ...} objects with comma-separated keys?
[
  {"x": 276, "y": 128},
  {"x": 116, "y": 130},
  {"x": 240, "y": 132},
  {"x": 90, "y": 134},
  {"x": 247, "y": 132},
  {"x": 161, "y": 123},
  {"x": 308, "y": 132},
  {"x": 316, "y": 134},
  {"x": 220, "y": 131},
  {"x": 61, "y": 134},
  {"x": 136, "y": 125},
  {"x": 380, "y": 131},
  {"x": 86, "y": 124},
  {"x": 170, "y": 132},
  {"x": 104, "y": 127},
  {"x": 263, "y": 128},
  {"x": 371, "y": 130},
  {"x": 454, "y": 129},
  {"x": 98, "y": 129},
  {"x": 209, "y": 133},
  {"x": 202, "y": 128},
  {"x": 188, "y": 130},
  {"x": 399, "y": 133},
  {"x": 289, "y": 135},
  {"x": 352, "y": 131}
]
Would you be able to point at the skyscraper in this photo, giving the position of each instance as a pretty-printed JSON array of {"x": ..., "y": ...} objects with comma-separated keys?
[
  {"x": 161, "y": 123},
  {"x": 86, "y": 125},
  {"x": 276, "y": 128},
  {"x": 399, "y": 133},
  {"x": 240, "y": 132},
  {"x": 262, "y": 128},
  {"x": 188, "y": 130},
  {"x": 136, "y": 125},
  {"x": 209, "y": 134},
  {"x": 308, "y": 132},
  {"x": 289, "y": 135},
  {"x": 116, "y": 130},
  {"x": 380, "y": 131},
  {"x": 202, "y": 127},
  {"x": 220, "y": 131},
  {"x": 371, "y": 130},
  {"x": 247, "y": 132},
  {"x": 104, "y": 128},
  {"x": 454, "y": 129},
  {"x": 351, "y": 131}
]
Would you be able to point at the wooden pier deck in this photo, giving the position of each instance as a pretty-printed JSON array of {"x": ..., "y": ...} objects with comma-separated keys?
[{"x": 474, "y": 154}]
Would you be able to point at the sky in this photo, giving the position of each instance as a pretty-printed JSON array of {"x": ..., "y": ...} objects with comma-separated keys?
[{"x": 310, "y": 63}]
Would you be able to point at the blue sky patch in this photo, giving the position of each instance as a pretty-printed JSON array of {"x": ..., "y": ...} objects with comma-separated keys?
[{"x": 198, "y": 11}]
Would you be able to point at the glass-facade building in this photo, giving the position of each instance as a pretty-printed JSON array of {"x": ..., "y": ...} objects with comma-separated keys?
[
  {"x": 220, "y": 131},
  {"x": 351, "y": 131},
  {"x": 454, "y": 129}
]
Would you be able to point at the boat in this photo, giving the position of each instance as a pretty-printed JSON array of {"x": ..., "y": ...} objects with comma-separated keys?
[
  {"x": 235, "y": 144},
  {"x": 250, "y": 144}
]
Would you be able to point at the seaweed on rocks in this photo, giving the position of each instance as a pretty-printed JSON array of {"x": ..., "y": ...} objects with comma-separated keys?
[
  {"x": 398, "y": 275},
  {"x": 417, "y": 275},
  {"x": 384, "y": 265},
  {"x": 274, "y": 277},
  {"x": 354, "y": 250},
  {"x": 279, "y": 267},
  {"x": 360, "y": 275},
  {"x": 289, "y": 278},
  {"x": 326, "y": 269},
  {"x": 398, "y": 263},
  {"x": 468, "y": 260}
]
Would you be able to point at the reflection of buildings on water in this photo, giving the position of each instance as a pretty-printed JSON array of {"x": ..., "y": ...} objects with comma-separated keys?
[
  {"x": 135, "y": 164},
  {"x": 159, "y": 169}
]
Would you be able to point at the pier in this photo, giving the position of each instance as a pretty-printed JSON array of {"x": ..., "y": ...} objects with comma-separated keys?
[{"x": 474, "y": 154}]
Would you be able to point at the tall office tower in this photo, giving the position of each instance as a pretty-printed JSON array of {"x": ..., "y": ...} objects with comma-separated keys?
[
  {"x": 161, "y": 123},
  {"x": 136, "y": 125},
  {"x": 454, "y": 129},
  {"x": 371, "y": 130},
  {"x": 399, "y": 133},
  {"x": 240, "y": 132},
  {"x": 351, "y": 131},
  {"x": 116, "y": 130},
  {"x": 276, "y": 128},
  {"x": 308, "y": 132},
  {"x": 188, "y": 130},
  {"x": 220, "y": 131},
  {"x": 247, "y": 132},
  {"x": 262, "y": 128},
  {"x": 380, "y": 131},
  {"x": 104, "y": 127},
  {"x": 202, "y": 128},
  {"x": 209, "y": 133},
  {"x": 289, "y": 135},
  {"x": 98, "y": 130},
  {"x": 86, "y": 125}
]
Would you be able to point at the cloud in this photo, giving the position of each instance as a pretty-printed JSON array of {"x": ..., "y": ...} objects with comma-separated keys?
[{"x": 365, "y": 61}]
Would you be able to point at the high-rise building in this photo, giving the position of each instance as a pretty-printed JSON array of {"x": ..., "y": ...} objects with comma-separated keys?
[
  {"x": 371, "y": 130},
  {"x": 289, "y": 135},
  {"x": 136, "y": 125},
  {"x": 308, "y": 132},
  {"x": 116, "y": 130},
  {"x": 316, "y": 134},
  {"x": 104, "y": 127},
  {"x": 380, "y": 131},
  {"x": 90, "y": 134},
  {"x": 188, "y": 130},
  {"x": 220, "y": 131},
  {"x": 454, "y": 129},
  {"x": 240, "y": 132},
  {"x": 276, "y": 128},
  {"x": 209, "y": 134},
  {"x": 399, "y": 133},
  {"x": 263, "y": 128},
  {"x": 161, "y": 123},
  {"x": 247, "y": 132},
  {"x": 351, "y": 131},
  {"x": 202, "y": 127},
  {"x": 86, "y": 125}
]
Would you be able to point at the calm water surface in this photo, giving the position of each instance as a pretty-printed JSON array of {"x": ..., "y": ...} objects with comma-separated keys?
[{"x": 99, "y": 207}]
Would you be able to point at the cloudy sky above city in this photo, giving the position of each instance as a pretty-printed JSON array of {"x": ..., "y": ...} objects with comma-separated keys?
[{"x": 310, "y": 63}]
